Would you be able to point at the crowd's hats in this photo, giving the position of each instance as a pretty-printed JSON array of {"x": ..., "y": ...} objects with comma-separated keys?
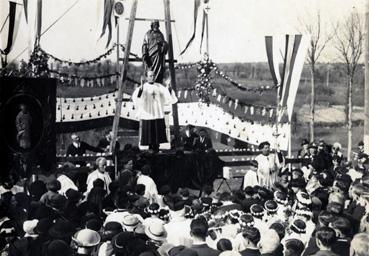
[
  {"x": 271, "y": 206},
  {"x": 61, "y": 229},
  {"x": 249, "y": 191},
  {"x": 164, "y": 214},
  {"x": 304, "y": 142},
  {"x": 56, "y": 201},
  {"x": 304, "y": 211},
  {"x": 362, "y": 156},
  {"x": 189, "y": 212},
  {"x": 130, "y": 222},
  {"x": 297, "y": 183},
  {"x": 94, "y": 224},
  {"x": 156, "y": 231},
  {"x": 246, "y": 220},
  {"x": 321, "y": 143},
  {"x": 153, "y": 208},
  {"x": 86, "y": 238},
  {"x": 121, "y": 241},
  {"x": 325, "y": 179},
  {"x": 164, "y": 190},
  {"x": 261, "y": 145},
  {"x": 73, "y": 195},
  {"x": 43, "y": 226},
  {"x": 361, "y": 143},
  {"x": 280, "y": 197},
  {"x": 235, "y": 214},
  {"x": 29, "y": 227},
  {"x": 53, "y": 185},
  {"x": 206, "y": 201},
  {"x": 303, "y": 198},
  {"x": 37, "y": 188},
  {"x": 7, "y": 229},
  {"x": 257, "y": 210},
  {"x": 185, "y": 193},
  {"x": 298, "y": 226},
  {"x": 58, "y": 248},
  {"x": 265, "y": 193},
  {"x": 22, "y": 199},
  {"x": 175, "y": 203},
  {"x": 111, "y": 229},
  {"x": 313, "y": 145},
  {"x": 298, "y": 171}
]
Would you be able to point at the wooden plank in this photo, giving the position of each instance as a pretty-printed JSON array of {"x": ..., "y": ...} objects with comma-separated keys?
[
  {"x": 168, "y": 29},
  {"x": 123, "y": 75}
]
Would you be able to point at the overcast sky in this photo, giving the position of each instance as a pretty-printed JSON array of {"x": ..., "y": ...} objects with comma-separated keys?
[{"x": 237, "y": 27}]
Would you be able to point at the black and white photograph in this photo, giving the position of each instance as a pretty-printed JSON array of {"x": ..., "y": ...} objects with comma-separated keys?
[{"x": 184, "y": 127}]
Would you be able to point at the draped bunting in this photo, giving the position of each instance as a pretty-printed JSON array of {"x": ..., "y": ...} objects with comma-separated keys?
[{"x": 199, "y": 114}]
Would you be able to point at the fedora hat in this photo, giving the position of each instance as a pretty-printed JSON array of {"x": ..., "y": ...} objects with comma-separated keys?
[
  {"x": 156, "y": 231},
  {"x": 86, "y": 238},
  {"x": 129, "y": 222}
]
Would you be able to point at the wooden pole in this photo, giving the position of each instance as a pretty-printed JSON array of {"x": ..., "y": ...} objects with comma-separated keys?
[
  {"x": 123, "y": 75},
  {"x": 366, "y": 89},
  {"x": 168, "y": 28},
  {"x": 118, "y": 46}
]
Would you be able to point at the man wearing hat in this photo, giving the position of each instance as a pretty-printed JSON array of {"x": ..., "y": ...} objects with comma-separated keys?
[
  {"x": 359, "y": 170},
  {"x": 268, "y": 165},
  {"x": 304, "y": 151}
]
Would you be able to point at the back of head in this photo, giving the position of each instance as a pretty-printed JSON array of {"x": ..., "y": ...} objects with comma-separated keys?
[
  {"x": 360, "y": 245},
  {"x": 251, "y": 234},
  {"x": 293, "y": 247},
  {"x": 279, "y": 228},
  {"x": 343, "y": 225},
  {"x": 199, "y": 227},
  {"x": 224, "y": 245},
  {"x": 326, "y": 236}
]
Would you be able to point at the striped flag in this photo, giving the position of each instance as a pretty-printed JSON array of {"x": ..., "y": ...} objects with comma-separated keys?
[
  {"x": 294, "y": 57},
  {"x": 12, "y": 22}
]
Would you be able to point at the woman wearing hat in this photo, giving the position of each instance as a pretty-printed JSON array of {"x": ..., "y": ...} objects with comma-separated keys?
[{"x": 268, "y": 165}]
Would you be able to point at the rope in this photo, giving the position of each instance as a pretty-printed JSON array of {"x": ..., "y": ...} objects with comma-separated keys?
[
  {"x": 179, "y": 44},
  {"x": 47, "y": 29},
  {"x": 7, "y": 17}
]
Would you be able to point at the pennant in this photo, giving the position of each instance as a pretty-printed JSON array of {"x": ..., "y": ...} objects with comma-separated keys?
[
  {"x": 252, "y": 109},
  {"x": 271, "y": 112},
  {"x": 215, "y": 92},
  {"x": 272, "y": 50},
  {"x": 246, "y": 109},
  {"x": 108, "y": 8},
  {"x": 263, "y": 111},
  {"x": 185, "y": 94},
  {"x": 230, "y": 103},
  {"x": 196, "y": 8},
  {"x": 25, "y": 4},
  {"x": 219, "y": 98},
  {"x": 224, "y": 99},
  {"x": 179, "y": 93},
  {"x": 235, "y": 104}
]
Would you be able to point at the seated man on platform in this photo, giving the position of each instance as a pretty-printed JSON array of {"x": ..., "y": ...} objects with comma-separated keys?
[
  {"x": 203, "y": 142},
  {"x": 79, "y": 148},
  {"x": 104, "y": 143},
  {"x": 188, "y": 138},
  {"x": 99, "y": 173}
]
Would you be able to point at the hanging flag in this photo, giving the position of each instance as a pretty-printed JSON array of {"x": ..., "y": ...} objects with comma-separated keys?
[
  {"x": 296, "y": 48},
  {"x": 252, "y": 110},
  {"x": 271, "y": 112},
  {"x": 263, "y": 111},
  {"x": 219, "y": 98},
  {"x": 215, "y": 92},
  {"x": 108, "y": 9},
  {"x": 179, "y": 93},
  {"x": 272, "y": 49},
  {"x": 204, "y": 23},
  {"x": 230, "y": 103},
  {"x": 34, "y": 10},
  {"x": 185, "y": 94},
  {"x": 13, "y": 25},
  {"x": 196, "y": 9}
]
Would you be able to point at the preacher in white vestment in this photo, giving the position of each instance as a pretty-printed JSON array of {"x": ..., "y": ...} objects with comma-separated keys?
[{"x": 149, "y": 100}]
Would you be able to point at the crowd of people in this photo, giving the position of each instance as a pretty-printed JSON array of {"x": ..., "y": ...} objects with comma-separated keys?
[{"x": 320, "y": 207}]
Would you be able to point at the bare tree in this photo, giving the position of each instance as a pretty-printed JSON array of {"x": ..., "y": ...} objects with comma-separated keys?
[
  {"x": 349, "y": 44},
  {"x": 318, "y": 42}
]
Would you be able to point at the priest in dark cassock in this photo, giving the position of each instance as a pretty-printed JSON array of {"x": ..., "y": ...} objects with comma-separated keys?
[{"x": 150, "y": 99}]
